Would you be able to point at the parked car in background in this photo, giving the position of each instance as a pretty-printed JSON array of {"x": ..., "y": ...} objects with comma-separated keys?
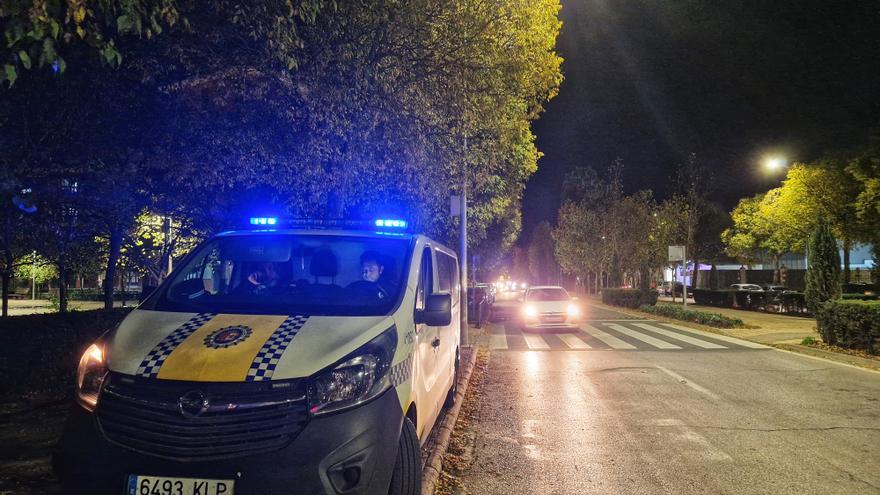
[
  {"x": 775, "y": 288},
  {"x": 859, "y": 288},
  {"x": 747, "y": 287}
]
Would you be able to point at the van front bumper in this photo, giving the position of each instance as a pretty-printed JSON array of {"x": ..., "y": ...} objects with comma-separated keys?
[{"x": 325, "y": 457}]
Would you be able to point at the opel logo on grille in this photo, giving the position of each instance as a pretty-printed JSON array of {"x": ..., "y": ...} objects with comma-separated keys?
[{"x": 193, "y": 403}]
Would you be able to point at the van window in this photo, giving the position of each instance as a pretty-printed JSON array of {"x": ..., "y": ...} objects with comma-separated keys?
[
  {"x": 426, "y": 279},
  {"x": 447, "y": 272},
  {"x": 289, "y": 274}
]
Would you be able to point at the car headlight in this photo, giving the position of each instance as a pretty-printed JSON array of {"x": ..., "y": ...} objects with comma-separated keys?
[
  {"x": 573, "y": 311},
  {"x": 90, "y": 376},
  {"x": 359, "y": 377},
  {"x": 530, "y": 312}
]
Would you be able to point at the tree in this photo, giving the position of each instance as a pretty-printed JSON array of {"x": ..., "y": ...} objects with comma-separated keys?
[
  {"x": 542, "y": 261},
  {"x": 15, "y": 234},
  {"x": 823, "y": 272}
]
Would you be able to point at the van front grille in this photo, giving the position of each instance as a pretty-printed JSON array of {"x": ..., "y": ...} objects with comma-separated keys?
[{"x": 238, "y": 419}]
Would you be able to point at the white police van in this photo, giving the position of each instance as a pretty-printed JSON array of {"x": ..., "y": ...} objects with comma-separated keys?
[{"x": 274, "y": 360}]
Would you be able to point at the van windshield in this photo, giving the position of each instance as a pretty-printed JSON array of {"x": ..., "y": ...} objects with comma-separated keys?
[{"x": 289, "y": 274}]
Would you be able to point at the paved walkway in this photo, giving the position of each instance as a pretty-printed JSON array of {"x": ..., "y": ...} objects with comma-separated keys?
[{"x": 18, "y": 307}]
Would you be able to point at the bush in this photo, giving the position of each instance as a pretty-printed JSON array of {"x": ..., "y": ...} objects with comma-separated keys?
[
  {"x": 96, "y": 295},
  {"x": 850, "y": 324},
  {"x": 792, "y": 302},
  {"x": 678, "y": 313},
  {"x": 629, "y": 298},
  {"x": 860, "y": 297},
  {"x": 39, "y": 353}
]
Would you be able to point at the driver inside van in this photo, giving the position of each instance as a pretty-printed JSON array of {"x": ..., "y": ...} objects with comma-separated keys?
[{"x": 265, "y": 276}]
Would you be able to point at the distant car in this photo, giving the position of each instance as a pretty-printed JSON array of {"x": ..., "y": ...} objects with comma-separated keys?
[
  {"x": 775, "y": 288},
  {"x": 747, "y": 287},
  {"x": 549, "y": 307},
  {"x": 859, "y": 288}
]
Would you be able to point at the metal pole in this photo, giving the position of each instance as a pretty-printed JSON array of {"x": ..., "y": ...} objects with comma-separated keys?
[
  {"x": 463, "y": 248},
  {"x": 684, "y": 279},
  {"x": 34, "y": 278}
]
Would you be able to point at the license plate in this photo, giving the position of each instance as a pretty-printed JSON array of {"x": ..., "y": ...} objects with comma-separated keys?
[{"x": 158, "y": 485}]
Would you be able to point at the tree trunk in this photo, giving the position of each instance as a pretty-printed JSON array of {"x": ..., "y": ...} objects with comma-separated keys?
[
  {"x": 112, "y": 260},
  {"x": 847, "y": 245},
  {"x": 7, "y": 278},
  {"x": 62, "y": 287}
]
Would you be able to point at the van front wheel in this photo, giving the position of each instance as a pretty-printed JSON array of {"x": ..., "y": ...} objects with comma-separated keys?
[{"x": 407, "y": 477}]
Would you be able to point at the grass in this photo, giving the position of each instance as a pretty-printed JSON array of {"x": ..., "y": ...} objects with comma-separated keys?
[
  {"x": 702, "y": 317},
  {"x": 39, "y": 353},
  {"x": 808, "y": 341}
]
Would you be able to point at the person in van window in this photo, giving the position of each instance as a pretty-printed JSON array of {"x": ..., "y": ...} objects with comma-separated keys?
[
  {"x": 265, "y": 276},
  {"x": 371, "y": 266},
  {"x": 373, "y": 271}
]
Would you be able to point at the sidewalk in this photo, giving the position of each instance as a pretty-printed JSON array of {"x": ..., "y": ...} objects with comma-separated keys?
[
  {"x": 19, "y": 307},
  {"x": 769, "y": 328}
]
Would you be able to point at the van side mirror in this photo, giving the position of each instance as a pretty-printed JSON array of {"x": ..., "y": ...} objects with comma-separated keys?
[
  {"x": 146, "y": 291},
  {"x": 437, "y": 312}
]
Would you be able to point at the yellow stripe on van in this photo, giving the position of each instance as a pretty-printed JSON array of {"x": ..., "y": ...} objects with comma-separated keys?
[{"x": 194, "y": 360}]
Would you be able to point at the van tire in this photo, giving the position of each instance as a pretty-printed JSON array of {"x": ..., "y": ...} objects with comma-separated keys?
[
  {"x": 453, "y": 390},
  {"x": 406, "y": 479}
]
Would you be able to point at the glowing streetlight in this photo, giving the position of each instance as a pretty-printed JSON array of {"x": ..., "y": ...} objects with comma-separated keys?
[{"x": 774, "y": 164}]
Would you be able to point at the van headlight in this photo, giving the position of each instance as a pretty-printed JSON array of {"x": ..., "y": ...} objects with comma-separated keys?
[
  {"x": 90, "y": 376},
  {"x": 359, "y": 377}
]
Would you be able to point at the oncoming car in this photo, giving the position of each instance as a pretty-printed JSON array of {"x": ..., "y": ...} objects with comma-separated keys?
[
  {"x": 549, "y": 308},
  {"x": 301, "y": 360}
]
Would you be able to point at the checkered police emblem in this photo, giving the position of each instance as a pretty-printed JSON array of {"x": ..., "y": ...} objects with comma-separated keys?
[
  {"x": 263, "y": 366},
  {"x": 227, "y": 337},
  {"x": 401, "y": 371},
  {"x": 149, "y": 368}
]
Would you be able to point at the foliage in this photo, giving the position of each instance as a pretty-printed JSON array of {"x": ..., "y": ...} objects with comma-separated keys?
[
  {"x": 154, "y": 240},
  {"x": 850, "y": 324},
  {"x": 40, "y": 269},
  {"x": 823, "y": 272},
  {"x": 542, "y": 262},
  {"x": 38, "y": 32},
  {"x": 702, "y": 317},
  {"x": 629, "y": 298},
  {"x": 602, "y": 231},
  {"x": 313, "y": 108},
  {"x": 779, "y": 221},
  {"x": 790, "y": 302}
]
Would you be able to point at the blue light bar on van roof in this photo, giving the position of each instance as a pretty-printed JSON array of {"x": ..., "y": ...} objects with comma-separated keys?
[
  {"x": 386, "y": 223},
  {"x": 264, "y": 221}
]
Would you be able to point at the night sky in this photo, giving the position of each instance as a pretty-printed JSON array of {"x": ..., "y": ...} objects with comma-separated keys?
[{"x": 651, "y": 81}]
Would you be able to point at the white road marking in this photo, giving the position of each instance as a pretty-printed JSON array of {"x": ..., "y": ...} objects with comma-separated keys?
[
  {"x": 498, "y": 339},
  {"x": 572, "y": 341},
  {"x": 689, "y": 383},
  {"x": 678, "y": 336},
  {"x": 660, "y": 344},
  {"x": 723, "y": 338},
  {"x": 611, "y": 340},
  {"x": 535, "y": 342}
]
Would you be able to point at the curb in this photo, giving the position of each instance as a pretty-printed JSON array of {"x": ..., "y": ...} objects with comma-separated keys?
[
  {"x": 434, "y": 464},
  {"x": 837, "y": 357}
]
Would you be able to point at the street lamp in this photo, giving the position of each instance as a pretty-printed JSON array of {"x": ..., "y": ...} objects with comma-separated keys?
[{"x": 774, "y": 164}]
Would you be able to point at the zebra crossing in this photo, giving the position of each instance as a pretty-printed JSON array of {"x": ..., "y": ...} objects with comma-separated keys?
[{"x": 617, "y": 335}]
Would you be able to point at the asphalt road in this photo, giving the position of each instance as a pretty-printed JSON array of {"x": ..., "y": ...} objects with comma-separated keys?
[{"x": 671, "y": 412}]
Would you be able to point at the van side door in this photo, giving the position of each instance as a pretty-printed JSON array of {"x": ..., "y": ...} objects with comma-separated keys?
[
  {"x": 427, "y": 336},
  {"x": 447, "y": 282}
]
